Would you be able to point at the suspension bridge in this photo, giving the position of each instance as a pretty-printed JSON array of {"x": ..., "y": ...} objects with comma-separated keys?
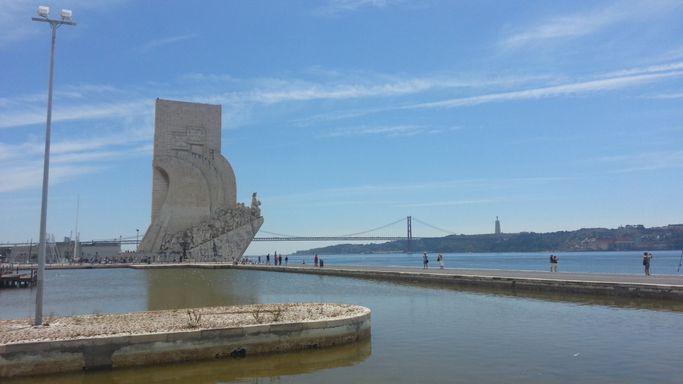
[
  {"x": 388, "y": 232},
  {"x": 358, "y": 236}
]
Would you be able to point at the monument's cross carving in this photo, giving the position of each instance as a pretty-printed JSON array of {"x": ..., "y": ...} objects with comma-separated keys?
[{"x": 195, "y": 214}]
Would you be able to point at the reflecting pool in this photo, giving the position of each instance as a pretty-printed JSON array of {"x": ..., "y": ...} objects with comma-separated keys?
[{"x": 420, "y": 333}]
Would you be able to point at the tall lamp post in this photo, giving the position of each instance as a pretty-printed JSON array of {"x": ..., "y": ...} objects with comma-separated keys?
[
  {"x": 137, "y": 239},
  {"x": 44, "y": 12}
]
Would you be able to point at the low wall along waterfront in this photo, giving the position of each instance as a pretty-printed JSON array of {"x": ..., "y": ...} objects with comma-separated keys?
[{"x": 124, "y": 340}]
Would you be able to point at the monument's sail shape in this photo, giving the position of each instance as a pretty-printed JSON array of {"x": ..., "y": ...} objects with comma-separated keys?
[{"x": 195, "y": 214}]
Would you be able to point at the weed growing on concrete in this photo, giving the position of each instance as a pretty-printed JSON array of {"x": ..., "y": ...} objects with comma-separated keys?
[
  {"x": 195, "y": 318},
  {"x": 257, "y": 315},
  {"x": 276, "y": 314}
]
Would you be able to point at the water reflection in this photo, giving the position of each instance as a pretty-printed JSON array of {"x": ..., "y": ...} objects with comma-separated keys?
[
  {"x": 586, "y": 299},
  {"x": 188, "y": 287},
  {"x": 421, "y": 333},
  {"x": 217, "y": 371}
]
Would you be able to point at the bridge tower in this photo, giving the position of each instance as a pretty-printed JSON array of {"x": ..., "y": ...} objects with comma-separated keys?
[{"x": 409, "y": 237}]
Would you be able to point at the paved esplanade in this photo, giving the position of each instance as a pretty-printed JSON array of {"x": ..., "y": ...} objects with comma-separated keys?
[{"x": 663, "y": 287}]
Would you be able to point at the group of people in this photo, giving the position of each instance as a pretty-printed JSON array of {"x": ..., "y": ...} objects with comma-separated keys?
[
  {"x": 425, "y": 261},
  {"x": 277, "y": 259}
]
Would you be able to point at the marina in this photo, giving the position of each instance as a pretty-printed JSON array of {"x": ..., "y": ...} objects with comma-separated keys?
[{"x": 16, "y": 276}]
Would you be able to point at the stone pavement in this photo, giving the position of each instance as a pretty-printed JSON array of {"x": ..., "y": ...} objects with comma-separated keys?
[{"x": 660, "y": 287}]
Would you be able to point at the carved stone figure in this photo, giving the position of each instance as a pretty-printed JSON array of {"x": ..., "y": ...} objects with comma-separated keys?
[
  {"x": 255, "y": 205},
  {"x": 195, "y": 215}
]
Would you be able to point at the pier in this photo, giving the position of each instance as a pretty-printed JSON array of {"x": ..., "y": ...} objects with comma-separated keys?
[
  {"x": 15, "y": 276},
  {"x": 665, "y": 287}
]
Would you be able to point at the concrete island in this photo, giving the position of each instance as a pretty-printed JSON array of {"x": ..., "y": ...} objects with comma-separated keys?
[{"x": 88, "y": 342}]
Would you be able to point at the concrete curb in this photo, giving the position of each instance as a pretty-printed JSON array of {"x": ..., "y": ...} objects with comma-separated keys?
[
  {"x": 40, "y": 358},
  {"x": 532, "y": 284}
]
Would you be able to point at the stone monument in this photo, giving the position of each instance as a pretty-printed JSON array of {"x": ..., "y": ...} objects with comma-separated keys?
[{"x": 195, "y": 214}]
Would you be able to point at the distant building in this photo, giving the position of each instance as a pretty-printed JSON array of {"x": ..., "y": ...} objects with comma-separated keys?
[
  {"x": 497, "y": 226},
  {"x": 62, "y": 252}
]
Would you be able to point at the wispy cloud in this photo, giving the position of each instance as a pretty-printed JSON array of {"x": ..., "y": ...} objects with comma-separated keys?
[
  {"x": 589, "y": 22},
  {"x": 338, "y": 7},
  {"x": 667, "y": 96},
  {"x": 21, "y": 163},
  {"x": 390, "y": 131},
  {"x": 385, "y": 190},
  {"x": 241, "y": 96},
  {"x": 31, "y": 175},
  {"x": 552, "y": 91},
  {"x": 15, "y": 17},
  {"x": 645, "y": 161},
  {"x": 34, "y": 114},
  {"x": 158, "y": 43},
  {"x": 387, "y": 131},
  {"x": 449, "y": 203}
]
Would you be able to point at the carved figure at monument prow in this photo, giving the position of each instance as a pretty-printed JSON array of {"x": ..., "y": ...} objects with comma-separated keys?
[{"x": 195, "y": 214}]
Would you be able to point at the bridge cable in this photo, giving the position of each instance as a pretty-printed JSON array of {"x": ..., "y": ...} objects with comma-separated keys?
[
  {"x": 375, "y": 229},
  {"x": 434, "y": 227}
]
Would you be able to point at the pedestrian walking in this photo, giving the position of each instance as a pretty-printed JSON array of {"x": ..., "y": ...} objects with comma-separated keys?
[
  {"x": 286, "y": 260},
  {"x": 425, "y": 261}
]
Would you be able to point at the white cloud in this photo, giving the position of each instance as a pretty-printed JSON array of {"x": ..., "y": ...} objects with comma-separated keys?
[
  {"x": 157, "y": 43},
  {"x": 15, "y": 16},
  {"x": 586, "y": 23},
  {"x": 667, "y": 96},
  {"x": 390, "y": 131},
  {"x": 338, "y": 7},
  {"x": 645, "y": 161},
  {"x": 384, "y": 190},
  {"x": 30, "y": 175},
  {"x": 552, "y": 91},
  {"x": 449, "y": 203},
  {"x": 16, "y": 117},
  {"x": 21, "y": 164}
]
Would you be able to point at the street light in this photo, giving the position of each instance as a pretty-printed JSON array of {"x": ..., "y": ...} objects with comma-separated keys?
[
  {"x": 66, "y": 15},
  {"x": 137, "y": 239}
]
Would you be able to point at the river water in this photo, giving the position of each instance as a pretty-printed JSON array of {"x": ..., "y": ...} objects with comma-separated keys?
[
  {"x": 628, "y": 262},
  {"x": 420, "y": 333}
]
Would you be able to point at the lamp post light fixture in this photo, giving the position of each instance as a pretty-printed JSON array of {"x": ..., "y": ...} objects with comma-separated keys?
[
  {"x": 66, "y": 15},
  {"x": 137, "y": 239}
]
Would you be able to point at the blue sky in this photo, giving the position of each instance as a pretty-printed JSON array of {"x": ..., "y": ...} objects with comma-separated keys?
[{"x": 347, "y": 115}]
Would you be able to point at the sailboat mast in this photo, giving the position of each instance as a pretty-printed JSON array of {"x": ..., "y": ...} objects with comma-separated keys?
[{"x": 76, "y": 239}]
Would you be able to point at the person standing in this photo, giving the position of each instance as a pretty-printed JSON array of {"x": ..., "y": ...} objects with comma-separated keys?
[
  {"x": 425, "y": 261},
  {"x": 315, "y": 260},
  {"x": 440, "y": 260},
  {"x": 553, "y": 263},
  {"x": 647, "y": 260},
  {"x": 286, "y": 260}
]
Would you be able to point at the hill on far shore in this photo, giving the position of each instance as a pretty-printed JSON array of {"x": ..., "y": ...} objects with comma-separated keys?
[{"x": 627, "y": 238}]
